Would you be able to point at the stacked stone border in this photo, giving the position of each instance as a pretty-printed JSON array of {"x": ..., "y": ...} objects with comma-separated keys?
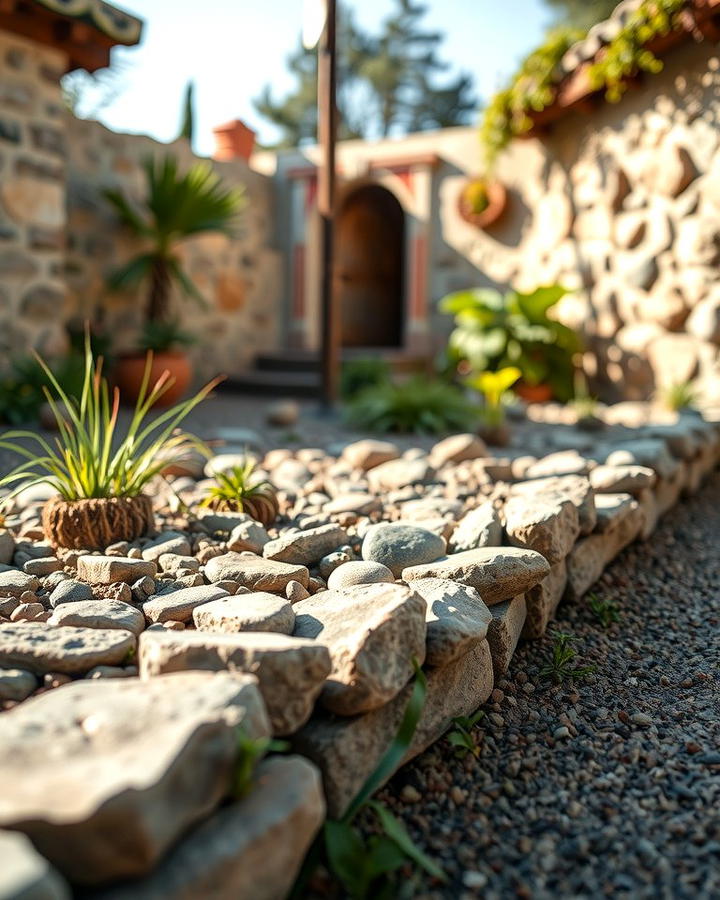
[{"x": 120, "y": 785}]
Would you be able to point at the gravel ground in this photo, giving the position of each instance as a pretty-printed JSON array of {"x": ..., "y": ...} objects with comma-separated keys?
[{"x": 606, "y": 787}]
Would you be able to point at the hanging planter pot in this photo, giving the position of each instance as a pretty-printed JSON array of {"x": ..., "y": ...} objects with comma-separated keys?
[{"x": 482, "y": 202}]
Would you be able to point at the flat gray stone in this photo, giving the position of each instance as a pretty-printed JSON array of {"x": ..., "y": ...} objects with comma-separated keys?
[
  {"x": 373, "y": 633},
  {"x": 400, "y": 546},
  {"x": 99, "y": 614},
  {"x": 166, "y": 542},
  {"x": 7, "y": 547},
  {"x": 38, "y": 648},
  {"x": 144, "y": 760},
  {"x": 13, "y": 583},
  {"x": 456, "y": 617},
  {"x": 254, "y": 572},
  {"x": 45, "y": 565},
  {"x": 547, "y": 523},
  {"x": 458, "y": 448},
  {"x": 591, "y": 555},
  {"x": 564, "y": 462},
  {"x": 256, "y": 611},
  {"x": 16, "y": 684},
  {"x": 113, "y": 569},
  {"x": 306, "y": 547},
  {"x": 479, "y": 528},
  {"x": 25, "y": 874},
  {"x": 504, "y": 632},
  {"x": 612, "y": 509},
  {"x": 359, "y": 572},
  {"x": 576, "y": 488},
  {"x": 496, "y": 573},
  {"x": 347, "y": 750},
  {"x": 621, "y": 479},
  {"x": 70, "y": 591},
  {"x": 248, "y": 534},
  {"x": 369, "y": 453},
  {"x": 252, "y": 848},
  {"x": 543, "y": 600},
  {"x": 290, "y": 671},
  {"x": 178, "y": 606},
  {"x": 399, "y": 473}
]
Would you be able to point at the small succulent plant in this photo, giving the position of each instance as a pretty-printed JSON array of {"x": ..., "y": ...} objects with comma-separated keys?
[{"x": 237, "y": 490}]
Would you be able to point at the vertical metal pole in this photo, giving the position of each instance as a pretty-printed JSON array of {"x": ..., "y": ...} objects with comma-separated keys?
[{"x": 327, "y": 132}]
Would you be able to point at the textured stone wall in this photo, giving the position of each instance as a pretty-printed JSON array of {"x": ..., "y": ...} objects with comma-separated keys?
[
  {"x": 238, "y": 276},
  {"x": 622, "y": 203},
  {"x": 32, "y": 198}
]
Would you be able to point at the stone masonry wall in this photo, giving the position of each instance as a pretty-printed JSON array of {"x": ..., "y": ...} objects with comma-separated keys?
[
  {"x": 622, "y": 203},
  {"x": 237, "y": 275},
  {"x": 32, "y": 197}
]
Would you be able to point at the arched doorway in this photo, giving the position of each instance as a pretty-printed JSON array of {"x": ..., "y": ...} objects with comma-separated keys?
[{"x": 369, "y": 271}]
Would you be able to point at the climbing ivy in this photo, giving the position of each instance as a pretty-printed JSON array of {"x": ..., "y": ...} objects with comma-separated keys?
[
  {"x": 533, "y": 87},
  {"x": 627, "y": 53}
]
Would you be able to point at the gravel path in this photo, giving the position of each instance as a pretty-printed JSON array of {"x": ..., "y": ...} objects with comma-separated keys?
[{"x": 611, "y": 786}]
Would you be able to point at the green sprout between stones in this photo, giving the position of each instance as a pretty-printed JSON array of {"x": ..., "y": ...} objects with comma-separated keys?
[
  {"x": 461, "y": 735},
  {"x": 89, "y": 458},
  {"x": 365, "y": 867},
  {"x": 560, "y": 665},
  {"x": 606, "y": 611},
  {"x": 250, "y": 752}
]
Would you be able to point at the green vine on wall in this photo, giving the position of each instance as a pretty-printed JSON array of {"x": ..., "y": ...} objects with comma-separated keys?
[{"x": 533, "y": 87}]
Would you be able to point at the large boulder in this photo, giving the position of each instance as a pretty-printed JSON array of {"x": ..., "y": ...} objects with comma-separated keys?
[
  {"x": 373, "y": 632},
  {"x": 104, "y": 776}
]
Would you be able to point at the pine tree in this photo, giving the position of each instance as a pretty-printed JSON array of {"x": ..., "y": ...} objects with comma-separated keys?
[
  {"x": 581, "y": 13},
  {"x": 387, "y": 83}
]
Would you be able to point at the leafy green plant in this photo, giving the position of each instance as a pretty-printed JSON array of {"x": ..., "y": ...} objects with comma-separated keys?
[
  {"x": 358, "y": 374},
  {"x": 530, "y": 89},
  {"x": 419, "y": 404},
  {"x": 164, "y": 337},
  {"x": 249, "y": 753},
  {"x": 461, "y": 735},
  {"x": 679, "y": 395},
  {"x": 239, "y": 490},
  {"x": 560, "y": 665},
  {"x": 533, "y": 87},
  {"x": 175, "y": 207},
  {"x": 365, "y": 867},
  {"x": 494, "y": 387},
  {"x": 627, "y": 53},
  {"x": 606, "y": 611},
  {"x": 495, "y": 331},
  {"x": 90, "y": 458}
]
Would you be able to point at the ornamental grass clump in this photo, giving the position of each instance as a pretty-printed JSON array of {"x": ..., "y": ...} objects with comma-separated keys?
[
  {"x": 240, "y": 490},
  {"x": 99, "y": 474}
]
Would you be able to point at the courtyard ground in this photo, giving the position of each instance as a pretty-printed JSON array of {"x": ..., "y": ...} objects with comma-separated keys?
[{"x": 605, "y": 787}]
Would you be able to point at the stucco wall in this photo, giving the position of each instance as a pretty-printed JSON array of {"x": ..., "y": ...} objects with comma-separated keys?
[
  {"x": 32, "y": 198},
  {"x": 239, "y": 276}
]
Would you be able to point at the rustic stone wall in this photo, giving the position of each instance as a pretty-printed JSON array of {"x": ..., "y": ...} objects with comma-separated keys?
[
  {"x": 237, "y": 275},
  {"x": 32, "y": 197},
  {"x": 623, "y": 203}
]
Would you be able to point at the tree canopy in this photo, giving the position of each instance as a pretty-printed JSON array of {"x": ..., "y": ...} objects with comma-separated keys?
[{"x": 390, "y": 82}]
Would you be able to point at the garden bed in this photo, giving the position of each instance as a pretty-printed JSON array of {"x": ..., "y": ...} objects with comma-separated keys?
[{"x": 306, "y": 630}]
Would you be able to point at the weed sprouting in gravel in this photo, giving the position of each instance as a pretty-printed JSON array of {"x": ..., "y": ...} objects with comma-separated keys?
[
  {"x": 606, "y": 611},
  {"x": 461, "y": 735},
  {"x": 560, "y": 665}
]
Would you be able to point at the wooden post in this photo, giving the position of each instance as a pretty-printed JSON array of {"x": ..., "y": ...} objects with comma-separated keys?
[{"x": 327, "y": 132}]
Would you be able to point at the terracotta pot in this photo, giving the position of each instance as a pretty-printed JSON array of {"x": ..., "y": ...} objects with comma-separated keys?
[
  {"x": 497, "y": 202},
  {"x": 495, "y": 435},
  {"x": 533, "y": 393},
  {"x": 96, "y": 523},
  {"x": 130, "y": 368}
]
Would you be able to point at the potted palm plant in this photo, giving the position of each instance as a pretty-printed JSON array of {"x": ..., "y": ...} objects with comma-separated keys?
[
  {"x": 100, "y": 475},
  {"x": 176, "y": 207}
]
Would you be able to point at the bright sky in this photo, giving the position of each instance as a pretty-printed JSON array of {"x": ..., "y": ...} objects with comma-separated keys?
[{"x": 232, "y": 48}]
